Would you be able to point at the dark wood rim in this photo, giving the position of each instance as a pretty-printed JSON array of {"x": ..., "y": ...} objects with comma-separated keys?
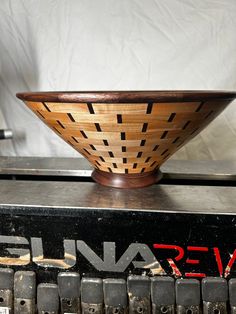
[
  {"x": 126, "y": 181},
  {"x": 126, "y": 96}
]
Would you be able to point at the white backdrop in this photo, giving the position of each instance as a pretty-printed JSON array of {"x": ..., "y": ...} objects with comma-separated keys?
[{"x": 53, "y": 45}]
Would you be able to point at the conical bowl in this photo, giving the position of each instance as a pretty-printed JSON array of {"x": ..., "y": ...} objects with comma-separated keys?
[{"x": 127, "y": 136}]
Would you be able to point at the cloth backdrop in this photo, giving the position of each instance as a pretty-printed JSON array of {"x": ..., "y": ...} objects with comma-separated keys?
[{"x": 54, "y": 45}]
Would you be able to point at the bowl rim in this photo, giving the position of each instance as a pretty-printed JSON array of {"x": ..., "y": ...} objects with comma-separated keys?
[{"x": 127, "y": 96}]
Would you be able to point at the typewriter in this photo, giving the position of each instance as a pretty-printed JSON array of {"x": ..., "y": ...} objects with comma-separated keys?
[{"x": 69, "y": 245}]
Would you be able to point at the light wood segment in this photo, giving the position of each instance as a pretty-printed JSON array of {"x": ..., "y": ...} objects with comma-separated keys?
[
  {"x": 160, "y": 108},
  {"x": 102, "y": 108},
  {"x": 68, "y": 107}
]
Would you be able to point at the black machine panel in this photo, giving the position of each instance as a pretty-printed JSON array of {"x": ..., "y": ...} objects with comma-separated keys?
[{"x": 113, "y": 242}]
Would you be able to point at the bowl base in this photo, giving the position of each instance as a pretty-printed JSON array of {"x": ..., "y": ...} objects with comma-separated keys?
[{"x": 126, "y": 181}]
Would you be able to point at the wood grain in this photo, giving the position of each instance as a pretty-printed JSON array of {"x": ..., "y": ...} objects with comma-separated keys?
[
  {"x": 126, "y": 96},
  {"x": 127, "y": 136}
]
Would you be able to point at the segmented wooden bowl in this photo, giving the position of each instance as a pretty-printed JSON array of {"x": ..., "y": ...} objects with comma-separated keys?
[{"x": 126, "y": 136}]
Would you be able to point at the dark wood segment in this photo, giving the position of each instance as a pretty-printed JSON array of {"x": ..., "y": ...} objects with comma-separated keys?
[
  {"x": 186, "y": 124},
  {"x": 200, "y": 106},
  {"x": 142, "y": 142},
  {"x": 164, "y": 134},
  {"x": 122, "y": 136},
  {"x": 145, "y": 126},
  {"x": 71, "y": 117},
  {"x": 59, "y": 122},
  {"x": 46, "y": 107},
  {"x": 98, "y": 128},
  {"x": 127, "y": 181},
  {"x": 171, "y": 118},
  {"x": 42, "y": 116},
  {"x": 83, "y": 134},
  {"x": 90, "y": 108},
  {"x": 119, "y": 118},
  {"x": 127, "y": 96},
  {"x": 149, "y": 108},
  {"x": 74, "y": 139}
]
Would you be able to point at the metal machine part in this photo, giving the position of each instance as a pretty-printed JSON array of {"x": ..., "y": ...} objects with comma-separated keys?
[
  {"x": 139, "y": 294},
  {"x": 47, "y": 299},
  {"x": 111, "y": 295},
  {"x": 214, "y": 295},
  {"x": 130, "y": 247},
  {"x": 92, "y": 296},
  {"x": 6, "y": 290},
  {"x": 163, "y": 295},
  {"x": 188, "y": 296},
  {"x": 6, "y": 134},
  {"x": 24, "y": 292},
  {"x": 69, "y": 292},
  {"x": 232, "y": 295},
  {"x": 115, "y": 296}
]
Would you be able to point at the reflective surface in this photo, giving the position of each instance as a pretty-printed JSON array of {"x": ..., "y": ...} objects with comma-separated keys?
[
  {"x": 170, "y": 197},
  {"x": 86, "y": 195},
  {"x": 172, "y": 169}
]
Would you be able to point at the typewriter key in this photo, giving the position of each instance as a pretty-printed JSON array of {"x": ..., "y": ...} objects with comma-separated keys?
[
  {"x": 6, "y": 290},
  {"x": 92, "y": 296},
  {"x": 187, "y": 296},
  {"x": 214, "y": 295},
  {"x": 24, "y": 292},
  {"x": 69, "y": 292},
  {"x": 163, "y": 295},
  {"x": 232, "y": 295},
  {"x": 139, "y": 294},
  {"x": 115, "y": 296},
  {"x": 47, "y": 299}
]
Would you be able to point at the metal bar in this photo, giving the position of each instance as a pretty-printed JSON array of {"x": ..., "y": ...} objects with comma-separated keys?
[
  {"x": 6, "y": 134},
  {"x": 61, "y": 197},
  {"x": 79, "y": 167}
]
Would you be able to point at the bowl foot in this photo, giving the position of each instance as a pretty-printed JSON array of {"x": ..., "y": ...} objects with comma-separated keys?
[{"x": 126, "y": 181}]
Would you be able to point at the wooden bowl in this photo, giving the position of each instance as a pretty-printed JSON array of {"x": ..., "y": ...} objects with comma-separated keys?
[{"x": 126, "y": 136}]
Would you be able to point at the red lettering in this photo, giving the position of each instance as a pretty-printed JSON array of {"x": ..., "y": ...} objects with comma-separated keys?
[
  {"x": 230, "y": 264},
  {"x": 218, "y": 260},
  {"x": 180, "y": 251},
  {"x": 197, "y": 248},
  {"x": 192, "y": 261},
  {"x": 175, "y": 269},
  {"x": 171, "y": 247},
  {"x": 198, "y": 275},
  {"x": 195, "y": 261}
]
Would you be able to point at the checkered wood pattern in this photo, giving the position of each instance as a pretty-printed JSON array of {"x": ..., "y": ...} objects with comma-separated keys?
[{"x": 127, "y": 137}]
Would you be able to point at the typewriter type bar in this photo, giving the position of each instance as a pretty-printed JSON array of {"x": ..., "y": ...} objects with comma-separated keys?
[
  {"x": 214, "y": 295},
  {"x": 47, "y": 299},
  {"x": 91, "y": 296},
  {"x": 6, "y": 290},
  {"x": 115, "y": 296},
  {"x": 139, "y": 294},
  {"x": 232, "y": 295},
  {"x": 69, "y": 292},
  {"x": 24, "y": 292},
  {"x": 163, "y": 295},
  {"x": 187, "y": 296}
]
